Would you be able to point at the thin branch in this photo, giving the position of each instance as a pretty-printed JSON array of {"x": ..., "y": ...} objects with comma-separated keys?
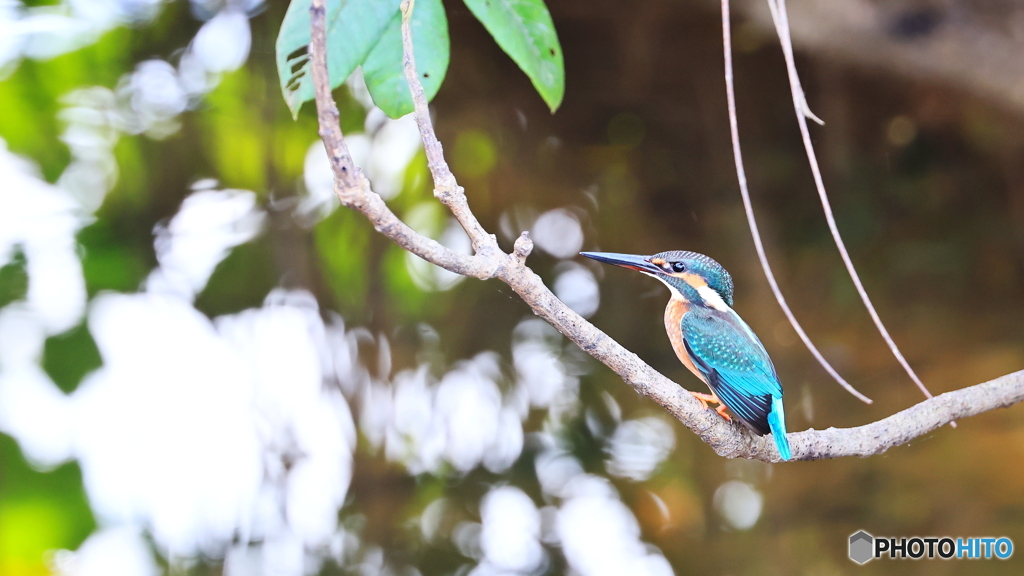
[
  {"x": 352, "y": 187},
  {"x": 726, "y": 438},
  {"x": 749, "y": 209},
  {"x": 781, "y": 19},
  {"x": 446, "y": 189}
]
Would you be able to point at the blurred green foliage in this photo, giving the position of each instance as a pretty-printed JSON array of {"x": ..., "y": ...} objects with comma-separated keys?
[
  {"x": 13, "y": 280},
  {"x": 68, "y": 357},
  {"x": 40, "y": 511},
  {"x": 474, "y": 154},
  {"x": 111, "y": 263},
  {"x": 342, "y": 240},
  {"x": 241, "y": 280},
  {"x": 235, "y": 123}
]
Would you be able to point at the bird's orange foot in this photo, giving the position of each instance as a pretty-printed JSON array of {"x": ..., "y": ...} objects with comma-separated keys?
[
  {"x": 721, "y": 412},
  {"x": 713, "y": 398}
]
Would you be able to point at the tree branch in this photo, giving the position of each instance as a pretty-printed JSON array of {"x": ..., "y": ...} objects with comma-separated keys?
[
  {"x": 351, "y": 185},
  {"x": 748, "y": 209},
  {"x": 726, "y": 438},
  {"x": 781, "y": 19},
  {"x": 916, "y": 421},
  {"x": 446, "y": 189}
]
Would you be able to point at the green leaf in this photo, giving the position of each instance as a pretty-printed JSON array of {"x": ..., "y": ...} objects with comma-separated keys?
[
  {"x": 353, "y": 29},
  {"x": 382, "y": 69},
  {"x": 524, "y": 30}
]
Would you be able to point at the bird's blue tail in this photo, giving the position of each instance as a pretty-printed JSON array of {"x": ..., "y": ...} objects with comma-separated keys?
[{"x": 777, "y": 422}]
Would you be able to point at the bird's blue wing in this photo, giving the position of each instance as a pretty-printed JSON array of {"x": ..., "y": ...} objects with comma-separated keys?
[{"x": 734, "y": 363}]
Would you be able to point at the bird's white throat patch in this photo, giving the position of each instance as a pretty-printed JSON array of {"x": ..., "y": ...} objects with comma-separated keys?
[
  {"x": 707, "y": 293},
  {"x": 712, "y": 298}
]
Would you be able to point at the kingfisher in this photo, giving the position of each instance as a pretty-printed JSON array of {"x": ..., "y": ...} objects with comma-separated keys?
[{"x": 712, "y": 341}]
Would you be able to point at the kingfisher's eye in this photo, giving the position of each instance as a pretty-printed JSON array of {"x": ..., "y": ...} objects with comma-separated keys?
[{"x": 678, "y": 267}]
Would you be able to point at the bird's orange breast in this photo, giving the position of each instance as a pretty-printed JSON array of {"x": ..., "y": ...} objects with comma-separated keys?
[{"x": 673, "y": 325}]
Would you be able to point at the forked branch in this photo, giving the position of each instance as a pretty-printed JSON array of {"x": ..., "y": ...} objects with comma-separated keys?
[{"x": 488, "y": 261}]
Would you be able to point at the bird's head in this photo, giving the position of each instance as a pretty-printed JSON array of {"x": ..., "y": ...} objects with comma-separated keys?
[{"x": 692, "y": 276}]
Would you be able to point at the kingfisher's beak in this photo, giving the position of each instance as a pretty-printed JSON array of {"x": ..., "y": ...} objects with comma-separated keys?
[{"x": 631, "y": 261}]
